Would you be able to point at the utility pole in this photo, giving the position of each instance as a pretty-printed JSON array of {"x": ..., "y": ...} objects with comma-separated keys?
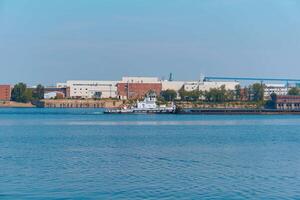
[{"x": 127, "y": 89}]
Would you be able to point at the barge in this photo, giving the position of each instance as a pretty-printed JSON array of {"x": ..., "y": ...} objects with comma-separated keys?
[{"x": 236, "y": 111}]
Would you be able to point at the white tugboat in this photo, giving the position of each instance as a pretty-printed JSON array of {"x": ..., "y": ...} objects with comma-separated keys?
[{"x": 148, "y": 105}]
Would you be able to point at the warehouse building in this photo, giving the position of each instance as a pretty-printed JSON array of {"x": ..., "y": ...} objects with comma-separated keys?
[
  {"x": 138, "y": 87},
  {"x": 278, "y": 89},
  {"x": 5, "y": 92},
  {"x": 207, "y": 85},
  {"x": 172, "y": 85},
  {"x": 135, "y": 87},
  {"x": 91, "y": 89}
]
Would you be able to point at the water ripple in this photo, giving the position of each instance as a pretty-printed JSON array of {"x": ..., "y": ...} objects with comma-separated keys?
[{"x": 149, "y": 157}]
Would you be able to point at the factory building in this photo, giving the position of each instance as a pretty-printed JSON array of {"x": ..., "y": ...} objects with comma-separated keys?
[
  {"x": 172, "y": 85},
  {"x": 278, "y": 89},
  {"x": 5, "y": 92},
  {"x": 91, "y": 89},
  {"x": 135, "y": 87},
  {"x": 138, "y": 87},
  {"x": 207, "y": 85}
]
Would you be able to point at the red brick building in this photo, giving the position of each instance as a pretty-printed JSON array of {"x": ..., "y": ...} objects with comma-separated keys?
[
  {"x": 5, "y": 92},
  {"x": 288, "y": 102},
  {"x": 137, "y": 90}
]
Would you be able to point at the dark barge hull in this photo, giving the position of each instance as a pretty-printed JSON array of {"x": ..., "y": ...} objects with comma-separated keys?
[{"x": 237, "y": 111}]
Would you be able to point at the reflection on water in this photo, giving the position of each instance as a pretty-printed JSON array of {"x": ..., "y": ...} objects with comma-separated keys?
[{"x": 77, "y": 154}]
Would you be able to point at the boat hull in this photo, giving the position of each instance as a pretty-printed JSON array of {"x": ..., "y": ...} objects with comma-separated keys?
[{"x": 140, "y": 111}]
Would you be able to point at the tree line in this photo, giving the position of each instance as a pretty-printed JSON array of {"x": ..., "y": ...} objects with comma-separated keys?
[
  {"x": 254, "y": 92},
  {"x": 21, "y": 93}
]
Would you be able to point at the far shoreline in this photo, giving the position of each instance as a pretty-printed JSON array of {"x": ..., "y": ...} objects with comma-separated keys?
[{"x": 181, "y": 111}]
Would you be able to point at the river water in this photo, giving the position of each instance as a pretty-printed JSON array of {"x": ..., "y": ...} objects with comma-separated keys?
[{"x": 84, "y": 154}]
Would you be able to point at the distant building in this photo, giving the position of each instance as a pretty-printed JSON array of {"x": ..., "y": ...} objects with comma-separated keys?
[
  {"x": 133, "y": 87},
  {"x": 91, "y": 89},
  {"x": 172, "y": 85},
  {"x": 207, "y": 85},
  {"x": 288, "y": 102},
  {"x": 54, "y": 95},
  {"x": 138, "y": 87},
  {"x": 56, "y": 90},
  {"x": 5, "y": 92},
  {"x": 61, "y": 85},
  {"x": 278, "y": 89}
]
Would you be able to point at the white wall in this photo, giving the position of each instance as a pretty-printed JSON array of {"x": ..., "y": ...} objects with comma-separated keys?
[
  {"x": 87, "y": 89},
  {"x": 172, "y": 85},
  {"x": 279, "y": 89},
  {"x": 207, "y": 85}
]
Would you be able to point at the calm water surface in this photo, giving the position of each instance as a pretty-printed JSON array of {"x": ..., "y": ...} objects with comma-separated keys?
[{"x": 83, "y": 154}]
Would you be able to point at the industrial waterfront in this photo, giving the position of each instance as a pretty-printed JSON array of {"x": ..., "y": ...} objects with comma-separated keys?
[
  {"x": 233, "y": 94},
  {"x": 149, "y": 100}
]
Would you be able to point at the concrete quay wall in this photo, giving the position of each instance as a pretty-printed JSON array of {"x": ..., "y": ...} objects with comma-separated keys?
[
  {"x": 13, "y": 104},
  {"x": 68, "y": 103}
]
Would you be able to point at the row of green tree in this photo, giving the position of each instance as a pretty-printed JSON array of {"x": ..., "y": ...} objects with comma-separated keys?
[
  {"x": 254, "y": 92},
  {"x": 294, "y": 91},
  {"x": 21, "y": 93}
]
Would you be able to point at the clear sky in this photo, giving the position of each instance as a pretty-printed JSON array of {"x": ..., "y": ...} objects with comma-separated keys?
[{"x": 48, "y": 41}]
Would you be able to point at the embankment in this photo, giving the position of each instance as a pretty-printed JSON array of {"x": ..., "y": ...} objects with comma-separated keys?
[
  {"x": 12, "y": 104},
  {"x": 74, "y": 103}
]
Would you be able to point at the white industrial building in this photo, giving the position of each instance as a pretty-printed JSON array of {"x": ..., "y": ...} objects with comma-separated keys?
[
  {"x": 61, "y": 85},
  {"x": 92, "y": 89},
  {"x": 87, "y": 89},
  {"x": 166, "y": 85},
  {"x": 278, "y": 89},
  {"x": 172, "y": 85},
  {"x": 200, "y": 85},
  {"x": 53, "y": 95},
  {"x": 207, "y": 85}
]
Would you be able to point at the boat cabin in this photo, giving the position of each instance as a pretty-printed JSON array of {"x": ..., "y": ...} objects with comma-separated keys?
[{"x": 149, "y": 102}]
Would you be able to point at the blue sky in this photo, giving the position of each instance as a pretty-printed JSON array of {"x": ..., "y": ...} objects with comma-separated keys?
[{"x": 56, "y": 40}]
